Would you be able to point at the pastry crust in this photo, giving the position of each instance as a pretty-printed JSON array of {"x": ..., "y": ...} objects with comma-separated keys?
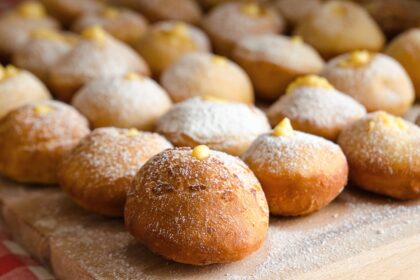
[
  {"x": 300, "y": 173},
  {"x": 379, "y": 83},
  {"x": 384, "y": 155},
  {"x": 197, "y": 211},
  {"x": 93, "y": 58},
  {"x": 273, "y": 61},
  {"x": 123, "y": 102},
  {"x": 165, "y": 42},
  {"x": 34, "y": 138},
  {"x": 228, "y": 23},
  {"x": 100, "y": 169},
  {"x": 21, "y": 89},
  {"x": 202, "y": 74},
  {"x": 222, "y": 125}
]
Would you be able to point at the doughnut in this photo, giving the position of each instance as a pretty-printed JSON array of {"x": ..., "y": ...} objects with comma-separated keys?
[
  {"x": 406, "y": 50},
  {"x": 338, "y": 27},
  {"x": 295, "y": 10},
  {"x": 17, "y": 25},
  {"x": 130, "y": 101},
  {"x": 376, "y": 80},
  {"x": 383, "y": 154},
  {"x": 314, "y": 106},
  {"x": 67, "y": 11},
  {"x": 273, "y": 61},
  {"x": 208, "y": 4},
  {"x": 165, "y": 42},
  {"x": 300, "y": 173},
  {"x": 203, "y": 74},
  {"x": 227, "y": 23},
  {"x": 97, "y": 55},
  {"x": 43, "y": 50},
  {"x": 97, "y": 173},
  {"x": 160, "y": 10},
  {"x": 19, "y": 87},
  {"x": 124, "y": 24},
  {"x": 35, "y": 137},
  {"x": 418, "y": 120},
  {"x": 197, "y": 206},
  {"x": 226, "y": 126}
]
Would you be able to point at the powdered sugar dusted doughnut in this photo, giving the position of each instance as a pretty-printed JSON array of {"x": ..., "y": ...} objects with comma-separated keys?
[
  {"x": 197, "y": 207},
  {"x": 34, "y": 138},
  {"x": 229, "y": 22},
  {"x": 375, "y": 80},
  {"x": 165, "y": 42},
  {"x": 98, "y": 55},
  {"x": 300, "y": 173},
  {"x": 98, "y": 172},
  {"x": 273, "y": 61},
  {"x": 226, "y": 126},
  {"x": 295, "y": 10},
  {"x": 202, "y": 74},
  {"x": 314, "y": 106},
  {"x": 19, "y": 87},
  {"x": 338, "y": 27},
  {"x": 68, "y": 11},
  {"x": 130, "y": 101},
  {"x": 384, "y": 155}
]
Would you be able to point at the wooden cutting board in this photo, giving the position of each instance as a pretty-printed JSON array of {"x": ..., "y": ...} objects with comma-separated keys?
[{"x": 358, "y": 236}]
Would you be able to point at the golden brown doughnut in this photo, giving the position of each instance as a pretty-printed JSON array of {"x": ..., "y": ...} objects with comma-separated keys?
[
  {"x": 124, "y": 24},
  {"x": 126, "y": 102},
  {"x": 19, "y": 87},
  {"x": 222, "y": 125},
  {"x": 100, "y": 169},
  {"x": 43, "y": 50},
  {"x": 377, "y": 81},
  {"x": 197, "y": 207},
  {"x": 314, "y": 106},
  {"x": 338, "y": 27},
  {"x": 406, "y": 50},
  {"x": 384, "y": 155},
  {"x": 159, "y": 10},
  {"x": 273, "y": 61},
  {"x": 300, "y": 173},
  {"x": 295, "y": 10},
  {"x": 17, "y": 25},
  {"x": 34, "y": 138},
  {"x": 165, "y": 42},
  {"x": 97, "y": 55},
  {"x": 203, "y": 74},
  {"x": 227, "y": 23}
]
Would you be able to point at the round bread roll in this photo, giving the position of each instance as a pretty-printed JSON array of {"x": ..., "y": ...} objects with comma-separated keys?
[
  {"x": 197, "y": 207},
  {"x": 97, "y": 55},
  {"x": 225, "y": 126},
  {"x": 43, "y": 50},
  {"x": 202, "y": 74},
  {"x": 165, "y": 42},
  {"x": 384, "y": 155},
  {"x": 375, "y": 80},
  {"x": 228, "y": 23},
  {"x": 406, "y": 50},
  {"x": 273, "y": 61},
  {"x": 295, "y": 10},
  {"x": 300, "y": 173},
  {"x": 126, "y": 102},
  {"x": 19, "y": 87},
  {"x": 124, "y": 24},
  {"x": 338, "y": 27},
  {"x": 34, "y": 138},
  {"x": 314, "y": 106},
  {"x": 17, "y": 25},
  {"x": 159, "y": 10},
  {"x": 98, "y": 172},
  {"x": 68, "y": 11}
]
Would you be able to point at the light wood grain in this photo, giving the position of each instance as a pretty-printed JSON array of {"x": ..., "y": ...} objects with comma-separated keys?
[{"x": 358, "y": 236}]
